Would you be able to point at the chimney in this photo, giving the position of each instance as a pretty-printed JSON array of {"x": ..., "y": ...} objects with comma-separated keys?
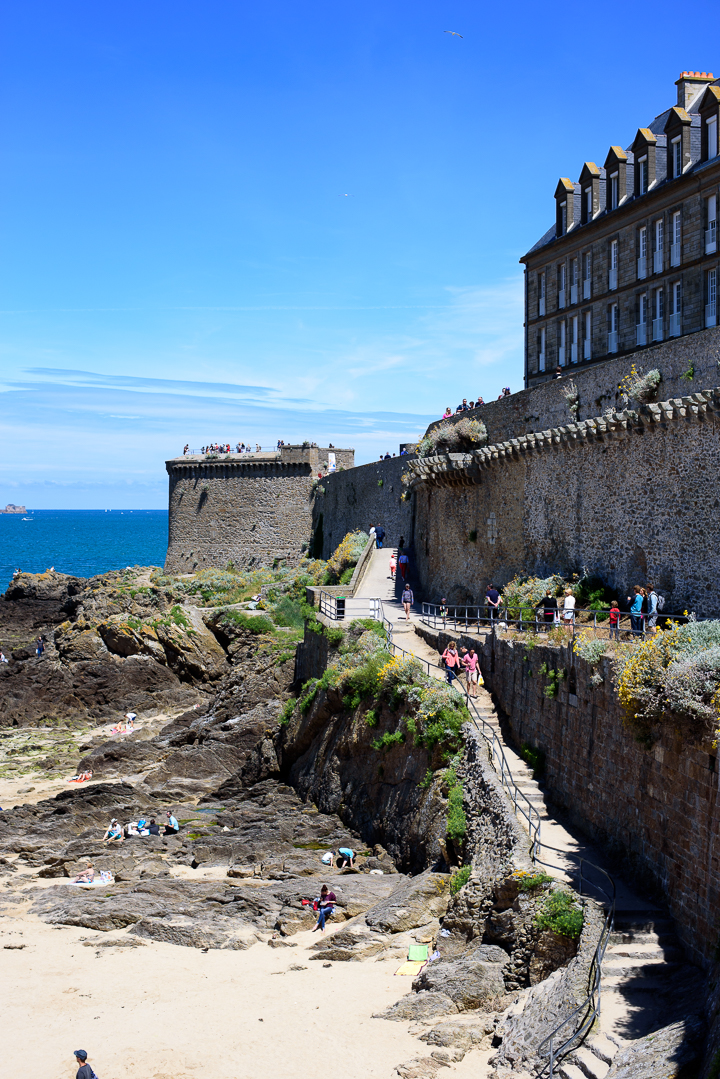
[{"x": 690, "y": 85}]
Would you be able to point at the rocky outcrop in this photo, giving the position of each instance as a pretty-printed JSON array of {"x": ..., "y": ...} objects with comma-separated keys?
[{"x": 674, "y": 1050}]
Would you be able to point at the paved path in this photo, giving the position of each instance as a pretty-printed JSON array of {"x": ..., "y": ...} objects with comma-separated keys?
[{"x": 644, "y": 964}]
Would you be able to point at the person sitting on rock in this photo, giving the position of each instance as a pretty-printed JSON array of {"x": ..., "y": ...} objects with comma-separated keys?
[
  {"x": 172, "y": 827},
  {"x": 87, "y": 876},
  {"x": 153, "y": 827},
  {"x": 326, "y": 905},
  {"x": 328, "y": 858},
  {"x": 347, "y": 857},
  {"x": 114, "y": 834}
]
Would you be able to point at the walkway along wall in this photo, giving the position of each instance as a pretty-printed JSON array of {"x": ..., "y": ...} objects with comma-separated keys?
[
  {"x": 631, "y": 497},
  {"x": 657, "y": 810}
]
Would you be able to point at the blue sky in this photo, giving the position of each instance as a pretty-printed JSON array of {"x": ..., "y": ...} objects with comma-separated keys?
[{"x": 250, "y": 222}]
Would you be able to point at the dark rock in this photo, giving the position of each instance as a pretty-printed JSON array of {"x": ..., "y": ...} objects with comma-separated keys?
[
  {"x": 470, "y": 980},
  {"x": 413, "y": 903}
]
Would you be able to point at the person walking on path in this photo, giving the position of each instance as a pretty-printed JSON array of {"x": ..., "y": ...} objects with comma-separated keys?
[
  {"x": 614, "y": 620},
  {"x": 636, "y": 618},
  {"x": 549, "y": 607},
  {"x": 407, "y": 600},
  {"x": 403, "y": 563},
  {"x": 451, "y": 656},
  {"x": 39, "y": 647},
  {"x": 569, "y": 609},
  {"x": 470, "y": 663},
  {"x": 652, "y": 614},
  {"x": 85, "y": 1070},
  {"x": 379, "y": 536},
  {"x": 393, "y": 566},
  {"x": 492, "y": 599},
  {"x": 371, "y": 533},
  {"x": 444, "y": 611}
]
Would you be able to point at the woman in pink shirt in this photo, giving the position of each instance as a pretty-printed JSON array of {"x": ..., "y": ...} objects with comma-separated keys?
[
  {"x": 452, "y": 662},
  {"x": 470, "y": 663}
]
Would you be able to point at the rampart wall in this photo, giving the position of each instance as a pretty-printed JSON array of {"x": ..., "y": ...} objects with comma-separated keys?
[
  {"x": 360, "y": 497},
  {"x": 244, "y": 509},
  {"x": 632, "y": 498}
]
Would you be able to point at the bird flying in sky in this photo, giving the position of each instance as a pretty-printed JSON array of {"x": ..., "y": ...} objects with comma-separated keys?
[{"x": 453, "y": 32}]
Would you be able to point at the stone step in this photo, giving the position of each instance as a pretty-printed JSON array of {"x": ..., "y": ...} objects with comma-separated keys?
[
  {"x": 570, "y": 1071},
  {"x": 641, "y": 921},
  {"x": 603, "y": 1048},
  {"x": 670, "y": 953},
  {"x": 631, "y": 939},
  {"x": 625, "y": 988},
  {"x": 592, "y": 1066},
  {"x": 638, "y": 967}
]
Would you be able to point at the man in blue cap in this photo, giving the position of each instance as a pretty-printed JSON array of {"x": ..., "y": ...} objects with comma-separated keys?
[{"x": 85, "y": 1070}]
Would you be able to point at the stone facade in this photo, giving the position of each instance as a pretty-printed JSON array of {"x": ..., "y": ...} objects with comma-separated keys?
[
  {"x": 246, "y": 509},
  {"x": 360, "y": 497},
  {"x": 655, "y": 808},
  {"x": 631, "y": 498},
  {"x": 633, "y": 255}
]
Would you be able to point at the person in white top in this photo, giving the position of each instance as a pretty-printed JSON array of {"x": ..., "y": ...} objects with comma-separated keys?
[{"x": 569, "y": 608}]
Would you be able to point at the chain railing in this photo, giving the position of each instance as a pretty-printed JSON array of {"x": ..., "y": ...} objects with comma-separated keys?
[
  {"x": 526, "y": 619},
  {"x": 573, "y": 1029}
]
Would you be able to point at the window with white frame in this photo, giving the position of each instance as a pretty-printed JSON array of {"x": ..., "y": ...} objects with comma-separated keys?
[
  {"x": 588, "y": 204},
  {"x": 563, "y": 218},
  {"x": 711, "y": 230},
  {"x": 587, "y": 275},
  {"x": 587, "y": 335},
  {"x": 613, "y": 328},
  {"x": 642, "y": 320},
  {"x": 712, "y": 137},
  {"x": 676, "y": 309},
  {"x": 643, "y": 175},
  {"x": 676, "y": 242},
  {"x": 658, "y": 251},
  {"x": 573, "y": 280},
  {"x": 574, "y": 328},
  {"x": 614, "y": 254},
  {"x": 541, "y": 350},
  {"x": 642, "y": 253},
  {"x": 676, "y": 149},
  {"x": 561, "y": 343},
  {"x": 561, "y": 285},
  {"x": 658, "y": 314},
  {"x": 614, "y": 190},
  {"x": 711, "y": 298},
  {"x": 541, "y": 294}
]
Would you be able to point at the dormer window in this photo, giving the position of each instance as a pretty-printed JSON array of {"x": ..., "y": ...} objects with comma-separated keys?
[
  {"x": 614, "y": 194},
  {"x": 588, "y": 203},
  {"x": 676, "y": 156},
  {"x": 565, "y": 203},
  {"x": 590, "y": 187},
  {"x": 642, "y": 175},
  {"x": 709, "y": 110},
  {"x": 563, "y": 219}
]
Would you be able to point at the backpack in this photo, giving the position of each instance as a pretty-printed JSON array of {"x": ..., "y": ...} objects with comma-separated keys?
[{"x": 661, "y": 603}]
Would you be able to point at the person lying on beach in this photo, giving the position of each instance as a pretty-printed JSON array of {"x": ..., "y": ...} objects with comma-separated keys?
[
  {"x": 86, "y": 877},
  {"x": 81, "y": 777},
  {"x": 326, "y": 905},
  {"x": 114, "y": 834}
]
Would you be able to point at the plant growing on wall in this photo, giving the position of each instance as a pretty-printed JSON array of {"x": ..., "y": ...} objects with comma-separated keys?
[
  {"x": 465, "y": 434},
  {"x": 570, "y": 392},
  {"x": 639, "y": 386}
]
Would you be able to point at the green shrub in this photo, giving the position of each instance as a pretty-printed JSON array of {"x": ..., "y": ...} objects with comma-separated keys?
[
  {"x": 561, "y": 913},
  {"x": 534, "y": 880},
  {"x": 371, "y": 718},
  {"x": 456, "y": 826},
  {"x": 334, "y": 634},
  {"x": 179, "y": 617},
  {"x": 288, "y": 612},
  {"x": 388, "y": 740},
  {"x": 287, "y": 711},
  {"x": 459, "y": 879},
  {"x": 252, "y": 623},
  {"x": 534, "y": 757},
  {"x": 426, "y": 781},
  {"x": 347, "y": 575}
]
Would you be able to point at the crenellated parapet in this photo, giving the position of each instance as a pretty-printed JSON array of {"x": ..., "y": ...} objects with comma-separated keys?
[{"x": 461, "y": 469}]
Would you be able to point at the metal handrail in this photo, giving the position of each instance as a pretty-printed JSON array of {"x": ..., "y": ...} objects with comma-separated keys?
[
  {"x": 338, "y": 608},
  {"x": 475, "y": 615},
  {"x": 589, "y": 1009}
]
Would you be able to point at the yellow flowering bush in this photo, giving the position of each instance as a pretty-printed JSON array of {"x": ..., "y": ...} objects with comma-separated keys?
[{"x": 346, "y": 554}]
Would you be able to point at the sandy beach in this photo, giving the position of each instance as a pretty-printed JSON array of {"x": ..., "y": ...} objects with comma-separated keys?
[{"x": 171, "y": 1013}]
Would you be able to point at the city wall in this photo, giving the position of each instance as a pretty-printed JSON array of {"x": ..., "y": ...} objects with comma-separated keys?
[
  {"x": 248, "y": 509},
  {"x": 360, "y": 497}
]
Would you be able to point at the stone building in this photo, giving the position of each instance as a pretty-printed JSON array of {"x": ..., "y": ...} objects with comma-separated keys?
[
  {"x": 248, "y": 509},
  {"x": 632, "y": 257}
]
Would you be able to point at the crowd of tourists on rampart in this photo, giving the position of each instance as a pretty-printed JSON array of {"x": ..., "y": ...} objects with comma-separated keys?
[{"x": 466, "y": 405}]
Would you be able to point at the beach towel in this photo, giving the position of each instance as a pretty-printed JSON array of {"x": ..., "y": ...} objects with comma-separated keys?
[
  {"x": 410, "y": 969},
  {"x": 418, "y": 953}
]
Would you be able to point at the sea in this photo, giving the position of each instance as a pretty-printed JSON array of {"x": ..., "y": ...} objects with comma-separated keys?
[{"x": 81, "y": 542}]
